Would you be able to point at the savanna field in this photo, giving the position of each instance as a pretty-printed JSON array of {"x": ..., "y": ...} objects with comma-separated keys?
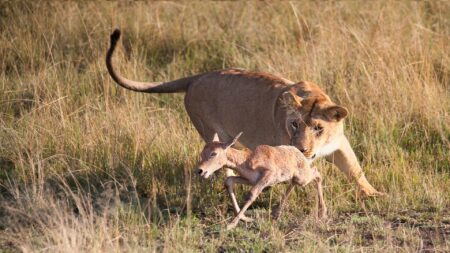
[{"x": 87, "y": 166}]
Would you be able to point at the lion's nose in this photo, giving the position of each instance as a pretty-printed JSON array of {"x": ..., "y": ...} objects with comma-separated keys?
[{"x": 198, "y": 171}]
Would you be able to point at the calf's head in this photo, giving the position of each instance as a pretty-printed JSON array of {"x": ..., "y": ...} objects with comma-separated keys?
[{"x": 214, "y": 156}]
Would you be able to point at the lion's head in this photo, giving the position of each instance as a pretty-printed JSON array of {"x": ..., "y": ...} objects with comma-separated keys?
[{"x": 312, "y": 123}]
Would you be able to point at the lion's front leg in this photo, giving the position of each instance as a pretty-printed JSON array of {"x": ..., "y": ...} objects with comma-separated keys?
[{"x": 345, "y": 159}]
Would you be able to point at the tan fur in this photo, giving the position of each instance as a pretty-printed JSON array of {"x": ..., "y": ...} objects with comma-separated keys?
[
  {"x": 265, "y": 166},
  {"x": 263, "y": 106}
]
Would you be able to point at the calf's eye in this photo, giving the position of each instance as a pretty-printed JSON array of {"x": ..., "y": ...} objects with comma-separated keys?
[
  {"x": 294, "y": 125},
  {"x": 213, "y": 154}
]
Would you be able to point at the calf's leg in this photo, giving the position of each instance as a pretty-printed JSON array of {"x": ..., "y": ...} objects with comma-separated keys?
[
  {"x": 305, "y": 178},
  {"x": 254, "y": 193},
  {"x": 322, "y": 207},
  {"x": 277, "y": 211},
  {"x": 229, "y": 184}
]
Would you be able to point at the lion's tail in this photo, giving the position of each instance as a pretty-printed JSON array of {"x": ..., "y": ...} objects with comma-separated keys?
[{"x": 179, "y": 85}]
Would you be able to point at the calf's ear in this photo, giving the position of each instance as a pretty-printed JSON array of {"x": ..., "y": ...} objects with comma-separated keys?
[
  {"x": 215, "y": 138},
  {"x": 336, "y": 113},
  {"x": 231, "y": 143}
]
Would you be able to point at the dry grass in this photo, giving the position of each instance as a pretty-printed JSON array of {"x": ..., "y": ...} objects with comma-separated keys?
[{"x": 88, "y": 166}]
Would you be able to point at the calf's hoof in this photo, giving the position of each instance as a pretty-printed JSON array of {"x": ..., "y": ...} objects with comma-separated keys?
[
  {"x": 232, "y": 225},
  {"x": 322, "y": 215},
  {"x": 247, "y": 219}
]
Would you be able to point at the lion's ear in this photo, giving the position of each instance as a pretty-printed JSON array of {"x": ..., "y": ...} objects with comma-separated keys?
[
  {"x": 290, "y": 99},
  {"x": 336, "y": 113}
]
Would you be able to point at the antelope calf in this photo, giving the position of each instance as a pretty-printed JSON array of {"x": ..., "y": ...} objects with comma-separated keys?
[{"x": 263, "y": 167}]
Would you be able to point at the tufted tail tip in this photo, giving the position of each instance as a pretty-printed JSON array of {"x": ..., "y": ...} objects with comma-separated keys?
[{"x": 115, "y": 36}]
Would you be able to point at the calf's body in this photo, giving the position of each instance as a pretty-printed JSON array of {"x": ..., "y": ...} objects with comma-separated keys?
[{"x": 263, "y": 167}]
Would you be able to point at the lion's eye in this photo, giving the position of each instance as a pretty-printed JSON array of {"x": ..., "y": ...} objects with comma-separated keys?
[
  {"x": 294, "y": 125},
  {"x": 213, "y": 154},
  {"x": 318, "y": 129}
]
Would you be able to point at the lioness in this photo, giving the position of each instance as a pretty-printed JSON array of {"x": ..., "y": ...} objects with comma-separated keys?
[{"x": 269, "y": 109}]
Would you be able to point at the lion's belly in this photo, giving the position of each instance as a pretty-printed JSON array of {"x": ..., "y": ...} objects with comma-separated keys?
[{"x": 231, "y": 105}]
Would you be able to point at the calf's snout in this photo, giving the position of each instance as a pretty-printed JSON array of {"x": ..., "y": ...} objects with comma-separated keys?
[{"x": 198, "y": 171}]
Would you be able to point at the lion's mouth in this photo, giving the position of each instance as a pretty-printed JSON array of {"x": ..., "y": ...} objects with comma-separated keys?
[{"x": 311, "y": 158}]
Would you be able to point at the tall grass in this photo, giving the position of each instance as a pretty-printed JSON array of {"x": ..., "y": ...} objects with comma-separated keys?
[{"x": 88, "y": 166}]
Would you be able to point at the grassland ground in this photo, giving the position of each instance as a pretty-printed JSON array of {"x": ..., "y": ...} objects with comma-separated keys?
[{"x": 86, "y": 166}]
